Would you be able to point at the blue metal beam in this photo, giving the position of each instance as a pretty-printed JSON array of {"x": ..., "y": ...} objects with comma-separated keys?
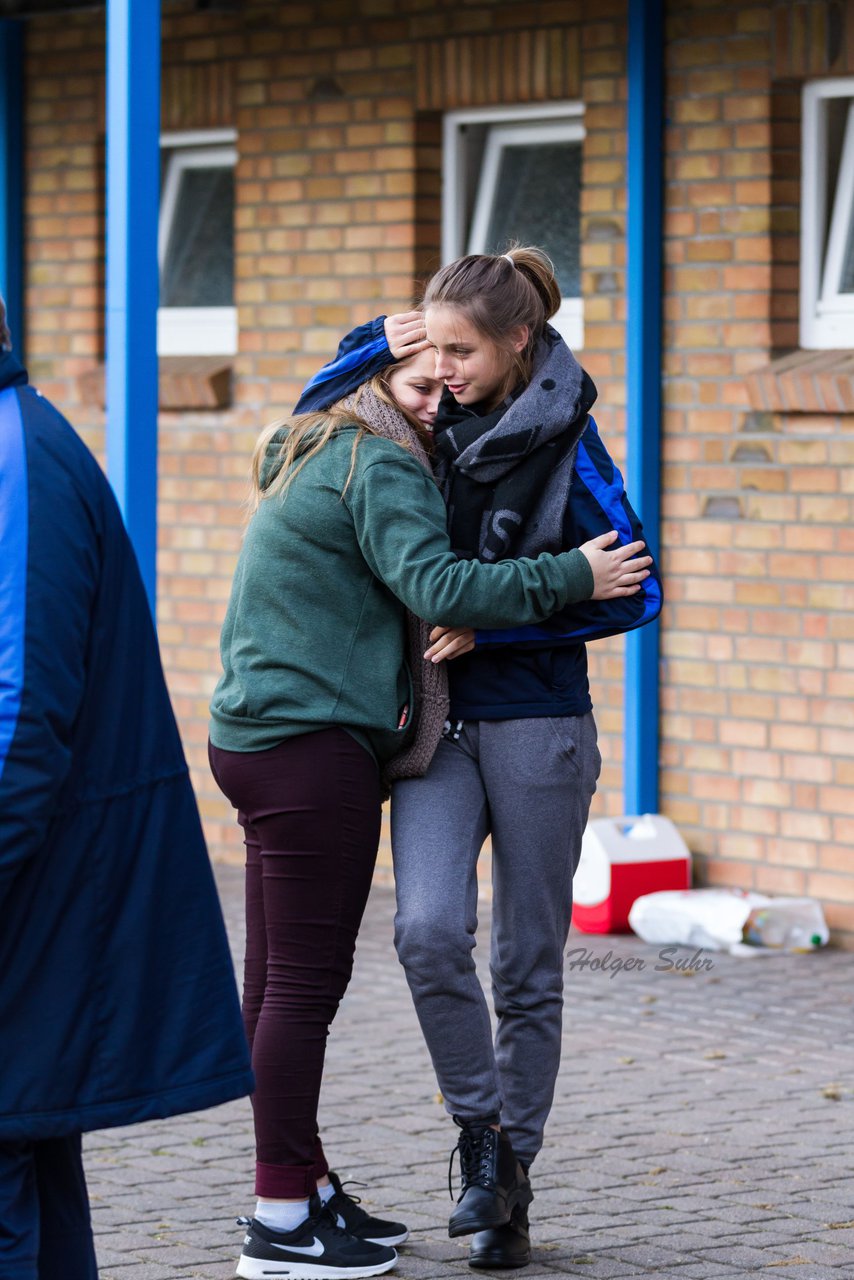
[
  {"x": 11, "y": 178},
  {"x": 133, "y": 183},
  {"x": 643, "y": 342}
]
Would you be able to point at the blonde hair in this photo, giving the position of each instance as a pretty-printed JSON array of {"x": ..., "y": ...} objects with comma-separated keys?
[
  {"x": 500, "y": 292},
  {"x": 305, "y": 434}
]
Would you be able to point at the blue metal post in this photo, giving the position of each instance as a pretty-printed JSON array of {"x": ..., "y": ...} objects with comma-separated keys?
[
  {"x": 643, "y": 341},
  {"x": 133, "y": 182},
  {"x": 11, "y": 178}
]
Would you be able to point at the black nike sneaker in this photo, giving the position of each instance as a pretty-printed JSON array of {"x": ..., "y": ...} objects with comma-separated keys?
[
  {"x": 315, "y": 1250},
  {"x": 350, "y": 1216}
]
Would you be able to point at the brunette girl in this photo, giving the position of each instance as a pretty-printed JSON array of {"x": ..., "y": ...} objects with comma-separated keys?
[{"x": 522, "y": 470}]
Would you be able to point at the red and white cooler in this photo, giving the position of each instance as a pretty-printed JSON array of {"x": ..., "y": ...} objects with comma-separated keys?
[{"x": 621, "y": 859}]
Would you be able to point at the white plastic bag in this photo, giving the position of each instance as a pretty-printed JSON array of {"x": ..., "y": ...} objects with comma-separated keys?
[
  {"x": 731, "y": 920},
  {"x": 710, "y": 918}
]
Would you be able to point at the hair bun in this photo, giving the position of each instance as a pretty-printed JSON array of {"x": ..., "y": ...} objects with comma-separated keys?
[{"x": 539, "y": 269}]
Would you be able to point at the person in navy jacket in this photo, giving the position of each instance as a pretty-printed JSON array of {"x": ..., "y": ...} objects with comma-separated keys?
[
  {"x": 523, "y": 470},
  {"x": 117, "y": 1000}
]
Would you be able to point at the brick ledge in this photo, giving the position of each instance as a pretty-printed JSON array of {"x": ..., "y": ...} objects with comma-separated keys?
[
  {"x": 804, "y": 382},
  {"x": 184, "y": 382}
]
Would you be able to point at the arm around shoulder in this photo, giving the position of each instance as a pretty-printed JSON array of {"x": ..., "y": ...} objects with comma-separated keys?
[
  {"x": 361, "y": 353},
  {"x": 400, "y": 523}
]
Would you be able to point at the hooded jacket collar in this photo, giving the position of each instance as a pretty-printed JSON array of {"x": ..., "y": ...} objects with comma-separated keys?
[{"x": 12, "y": 374}]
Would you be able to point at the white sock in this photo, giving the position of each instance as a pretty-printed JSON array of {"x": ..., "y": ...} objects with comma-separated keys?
[
  {"x": 326, "y": 1193},
  {"x": 281, "y": 1216}
]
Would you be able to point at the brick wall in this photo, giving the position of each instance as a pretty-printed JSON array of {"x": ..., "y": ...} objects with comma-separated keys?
[
  {"x": 757, "y": 728},
  {"x": 338, "y": 111}
]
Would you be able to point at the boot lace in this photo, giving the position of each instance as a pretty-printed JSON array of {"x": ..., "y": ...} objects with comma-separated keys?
[{"x": 476, "y": 1148}]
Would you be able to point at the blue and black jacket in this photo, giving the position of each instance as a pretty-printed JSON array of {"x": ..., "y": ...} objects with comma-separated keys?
[
  {"x": 360, "y": 355},
  {"x": 537, "y": 670},
  {"x": 117, "y": 999}
]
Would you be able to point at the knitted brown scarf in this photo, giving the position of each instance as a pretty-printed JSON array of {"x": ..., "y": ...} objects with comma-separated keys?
[{"x": 429, "y": 679}]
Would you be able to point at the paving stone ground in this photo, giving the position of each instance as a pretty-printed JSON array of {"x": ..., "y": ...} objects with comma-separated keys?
[{"x": 702, "y": 1127}]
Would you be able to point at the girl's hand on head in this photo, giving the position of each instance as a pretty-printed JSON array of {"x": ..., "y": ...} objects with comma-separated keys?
[
  {"x": 615, "y": 573},
  {"x": 449, "y": 642},
  {"x": 405, "y": 334}
]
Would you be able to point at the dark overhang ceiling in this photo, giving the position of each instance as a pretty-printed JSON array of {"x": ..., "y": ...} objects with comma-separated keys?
[
  {"x": 44, "y": 8},
  {"x": 39, "y": 8}
]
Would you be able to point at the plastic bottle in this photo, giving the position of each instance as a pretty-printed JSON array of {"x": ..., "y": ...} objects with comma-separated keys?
[{"x": 789, "y": 924}]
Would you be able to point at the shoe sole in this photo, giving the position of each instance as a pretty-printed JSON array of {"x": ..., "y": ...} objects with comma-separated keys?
[
  {"x": 390, "y": 1241},
  {"x": 261, "y": 1268},
  {"x": 470, "y": 1226},
  {"x": 494, "y": 1262}
]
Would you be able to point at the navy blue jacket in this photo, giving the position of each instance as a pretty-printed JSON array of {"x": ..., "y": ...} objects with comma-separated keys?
[
  {"x": 117, "y": 996},
  {"x": 541, "y": 670},
  {"x": 537, "y": 670},
  {"x": 360, "y": 355}
]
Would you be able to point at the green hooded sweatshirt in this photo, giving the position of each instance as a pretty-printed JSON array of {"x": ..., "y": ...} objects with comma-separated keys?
[{"x": 314, "y": 632}]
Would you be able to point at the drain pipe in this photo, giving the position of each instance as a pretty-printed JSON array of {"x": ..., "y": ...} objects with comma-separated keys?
[
  {"x": 133, "y": 185},
  {"x": 643, "y": 349}
]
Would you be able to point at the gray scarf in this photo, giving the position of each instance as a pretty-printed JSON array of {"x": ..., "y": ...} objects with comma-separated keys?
[
  {"x": 506, "y": 473},
  {"x": 429, "y": 679}
]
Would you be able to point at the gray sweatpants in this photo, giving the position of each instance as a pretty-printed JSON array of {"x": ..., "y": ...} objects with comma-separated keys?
[{"x": 529, "y": 783}]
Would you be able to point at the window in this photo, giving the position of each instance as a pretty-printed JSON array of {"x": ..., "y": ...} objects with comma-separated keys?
[
  {"x": 195, "y": 244},
  {"x": 515, "y": 174},
  {"x": 827, "y": 215}
]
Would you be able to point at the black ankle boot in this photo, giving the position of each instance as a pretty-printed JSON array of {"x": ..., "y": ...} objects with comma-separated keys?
[
  {"x": 503, "y": 1248},
  {"x": 493, "y": 1181}
]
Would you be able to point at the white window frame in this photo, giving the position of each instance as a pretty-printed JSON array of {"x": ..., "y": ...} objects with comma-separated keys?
[
  {"x": 826, "y": 315},
  {"x": 519, "y": 125},
  {"x": 192, "y": 331}
]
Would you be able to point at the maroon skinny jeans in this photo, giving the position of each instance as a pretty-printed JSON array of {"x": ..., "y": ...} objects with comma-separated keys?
[{"x": 310, "y": 812}]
